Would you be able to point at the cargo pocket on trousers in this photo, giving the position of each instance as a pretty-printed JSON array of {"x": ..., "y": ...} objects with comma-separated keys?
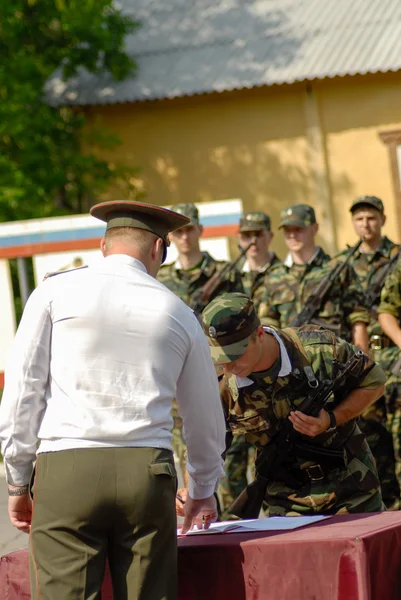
[
  {"x": 163, "y": 468},
  {"x": 165, "y": 474}
]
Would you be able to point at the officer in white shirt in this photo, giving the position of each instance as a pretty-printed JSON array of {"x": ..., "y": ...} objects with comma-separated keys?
[{"x": 99, "y": 355}]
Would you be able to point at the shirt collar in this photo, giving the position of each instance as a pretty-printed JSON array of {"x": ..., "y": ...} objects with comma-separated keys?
[
  {"x": 178, "y": 266},
  {"x": 124, "y": 259},
  {"x": 289, "y": 260},
  {"x": 285, "y": 361},
  {"x": 246, "y": 268}
]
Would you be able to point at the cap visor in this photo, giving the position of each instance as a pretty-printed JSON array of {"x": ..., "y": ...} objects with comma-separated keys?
[
  {"x": 225, "y": 354},
  {"x": 292, "y": 223},
  {"x": 252, "y": 228}
]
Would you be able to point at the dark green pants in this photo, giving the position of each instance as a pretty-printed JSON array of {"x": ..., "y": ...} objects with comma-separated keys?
[{"x": 95, "y": 504}]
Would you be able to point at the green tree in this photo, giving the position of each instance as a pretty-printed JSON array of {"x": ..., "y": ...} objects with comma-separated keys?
[{"x": 49, "y": 162}]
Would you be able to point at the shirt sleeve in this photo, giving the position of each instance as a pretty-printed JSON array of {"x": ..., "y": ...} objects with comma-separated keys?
[
  {"x": 390, "y": 298},
  {"x": 199, "y": 405},
  {"x": 267, "y": 312},
  {"x": 353, "y": 298},
  {"x": 374, "y": 377},
  {"x": 23, "y": 401}
]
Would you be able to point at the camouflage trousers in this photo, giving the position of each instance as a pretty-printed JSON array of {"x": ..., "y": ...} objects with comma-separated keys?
[
  {"x": 392, "y": 396},
  {"x": 179, "y": 447},
  {"x": 239, "y": 456},
  {"x": 354, "y": 488},
  {"x": 373, "y": 424}
]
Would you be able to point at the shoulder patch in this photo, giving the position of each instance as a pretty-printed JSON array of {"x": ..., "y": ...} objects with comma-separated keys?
[{"x": 52, "y": 274}]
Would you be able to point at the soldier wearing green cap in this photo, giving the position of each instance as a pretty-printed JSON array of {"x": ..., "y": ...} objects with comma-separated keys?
[
  {"x": 371, "y": 264},
  {"x": 185, "y": 277},
  {"x": 193, "y": 268},
  {"x": 259, "y": 258},
  {"x": 289, "y": 286},
  {"x": 268, "y": 373},
  {"x": 99, "y": 354}
]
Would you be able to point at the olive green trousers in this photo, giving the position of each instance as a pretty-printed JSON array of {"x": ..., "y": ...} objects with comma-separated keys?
[{"x": 97, "y": 504}]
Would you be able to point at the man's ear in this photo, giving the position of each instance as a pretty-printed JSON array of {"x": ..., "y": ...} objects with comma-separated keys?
[
  {"x": 103, "y": 246},
  {"x": 315, "y": 228}
]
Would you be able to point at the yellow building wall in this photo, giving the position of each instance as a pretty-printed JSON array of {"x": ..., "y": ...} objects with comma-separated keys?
[
  {"x": 256, "y": 145},
  {"x": 250, "y": 146},
  {"x": 353, "y": 113}
]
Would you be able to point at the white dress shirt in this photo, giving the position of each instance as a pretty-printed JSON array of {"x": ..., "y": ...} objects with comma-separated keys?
[{"x": 98, "y": 357}]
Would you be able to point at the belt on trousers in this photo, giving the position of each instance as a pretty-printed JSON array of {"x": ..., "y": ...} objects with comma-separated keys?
[{"x": 378, "y": 342}]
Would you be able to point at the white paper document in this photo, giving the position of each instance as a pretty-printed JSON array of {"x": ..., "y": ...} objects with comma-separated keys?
[{"x": 269, "y": 524}]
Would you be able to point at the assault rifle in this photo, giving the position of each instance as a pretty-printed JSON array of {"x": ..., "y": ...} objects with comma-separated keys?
[
  {"x": 314, "y": 302},
  {"x": 202, "y": 297},
  {"x": 288, "y": 443},
  {"x": 373, "y": 292}
]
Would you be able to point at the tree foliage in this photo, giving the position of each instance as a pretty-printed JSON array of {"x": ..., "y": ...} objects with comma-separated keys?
[{"x": 44, "y": 169}]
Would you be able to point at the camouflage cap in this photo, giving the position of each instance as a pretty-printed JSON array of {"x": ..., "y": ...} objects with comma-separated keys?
[
  {"x": 228, "y": 322},
  {"x": 372, "y": 201},
  {"x": 187, "y": 210},
  {"x": 254, "y": 221},
  {"x": 297, "y": 215}
]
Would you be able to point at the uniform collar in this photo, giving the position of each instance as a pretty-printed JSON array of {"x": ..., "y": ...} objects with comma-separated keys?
[
  {"x": 246, "y": 268},
  {"x": 124, "y": 259},
  {"x": 289, "y": 262},
  {"x": 285, "y": 361}
]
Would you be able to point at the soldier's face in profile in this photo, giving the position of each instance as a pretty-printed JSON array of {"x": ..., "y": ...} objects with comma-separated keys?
[
  {"x": 249, "y": 361},
  {"x": 368, "y": 223},
  {"x": 262, "y": 239},
  {"x": 186, "y": 239},
  {"x": 299, "y": 238}
]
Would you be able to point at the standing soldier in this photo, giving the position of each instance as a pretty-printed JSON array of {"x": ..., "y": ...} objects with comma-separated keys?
[
  {"x": 186, "y": 277},
  {"x": 259, "y": 260},
  {"x": 389, "y": 314},
  {"x": 371, "y": 264},
  {"x": 289, "y": 287}
]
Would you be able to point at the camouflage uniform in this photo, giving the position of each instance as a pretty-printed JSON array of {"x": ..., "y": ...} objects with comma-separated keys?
[
  {"x": 185, "y": 284},
  {"x": 258, "y": 404},
  {"x": 241, "y": 454},
  {"x": 390, "y": 303},
  {"x": 368, "y": 267},
  {"x": 287, "y": 289}
]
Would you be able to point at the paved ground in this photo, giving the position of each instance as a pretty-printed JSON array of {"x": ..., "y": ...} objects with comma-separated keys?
[{"x": 10, "y": 538}]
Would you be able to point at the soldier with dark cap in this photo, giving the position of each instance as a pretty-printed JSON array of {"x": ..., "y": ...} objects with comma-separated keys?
[
  {"x": 98, "y": 357},
  {"x": 185, "y": 277},
  {"x": 289, "y": 286},
  {"x": 268, "y": 373},
  {"x": 259, "y": 258},
  {"x": 371, "y": 264}
]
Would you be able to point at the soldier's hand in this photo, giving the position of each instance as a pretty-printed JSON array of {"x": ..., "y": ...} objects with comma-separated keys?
[
  {"x": 180, "y": 499},
  {"x": 307, "y": 425}
]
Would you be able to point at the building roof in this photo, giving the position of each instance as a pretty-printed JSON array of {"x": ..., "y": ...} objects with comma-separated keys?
[{"x": 188, "y": 47}]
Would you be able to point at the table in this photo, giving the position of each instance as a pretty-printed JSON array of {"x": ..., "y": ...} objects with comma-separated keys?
[{"x": 348, "y": 557}]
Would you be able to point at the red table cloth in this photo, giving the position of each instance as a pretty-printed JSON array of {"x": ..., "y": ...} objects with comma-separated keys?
[{"x": 344, "y": 558}]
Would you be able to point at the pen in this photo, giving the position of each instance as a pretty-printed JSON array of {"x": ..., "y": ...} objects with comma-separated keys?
[{"x": 180, "y": 499}]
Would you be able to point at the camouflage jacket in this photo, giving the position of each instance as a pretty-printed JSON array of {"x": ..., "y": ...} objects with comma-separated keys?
[
  {"x": 287, "y": 290},
  {"x": 390, "y": 300},
  {"x": 369, "y": 267},
  {"x": 186, "y": 283},
  {"x": 258, "y": 406},
  {"x": 253, "y": 281}
]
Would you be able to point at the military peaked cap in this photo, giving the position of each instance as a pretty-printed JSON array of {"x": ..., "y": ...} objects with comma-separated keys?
[{"x": 127, "y": 213}]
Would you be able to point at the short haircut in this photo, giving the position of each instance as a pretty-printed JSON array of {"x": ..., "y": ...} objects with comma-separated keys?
[{"x": 140, "y": 238}]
